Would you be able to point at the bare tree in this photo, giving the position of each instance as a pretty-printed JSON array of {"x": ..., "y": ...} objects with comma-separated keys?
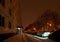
[{"x": 49, "y": 15}]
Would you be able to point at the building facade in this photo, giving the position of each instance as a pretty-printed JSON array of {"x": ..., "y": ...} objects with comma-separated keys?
[{"x": 10, "y": 15}]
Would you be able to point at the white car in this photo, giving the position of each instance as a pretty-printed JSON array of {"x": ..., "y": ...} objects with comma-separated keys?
[{"x": 46, "y": 34}]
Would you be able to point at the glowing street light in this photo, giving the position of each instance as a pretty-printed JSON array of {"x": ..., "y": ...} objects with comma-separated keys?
[
  {"x": 50, "y": 24},
  {"x": 19, "y": 30},
  {"x": 34, "y": 28}
]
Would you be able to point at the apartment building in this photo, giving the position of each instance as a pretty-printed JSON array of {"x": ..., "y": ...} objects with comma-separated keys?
[{"x": 10, "y": 16}]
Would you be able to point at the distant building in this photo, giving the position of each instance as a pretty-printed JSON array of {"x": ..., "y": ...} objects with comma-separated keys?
[{"x": 10, "y": 16}]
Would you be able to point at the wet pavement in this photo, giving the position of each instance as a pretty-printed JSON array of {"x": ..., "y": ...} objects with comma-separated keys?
[
  {"x": 25, "y": 38},
  {"x": 6, "y": 36}
]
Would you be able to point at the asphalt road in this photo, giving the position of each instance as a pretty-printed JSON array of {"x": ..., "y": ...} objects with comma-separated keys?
[{"x": 25, "y": 38}]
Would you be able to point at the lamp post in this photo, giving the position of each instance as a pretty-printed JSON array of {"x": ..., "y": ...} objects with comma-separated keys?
[{"x": 19, "y": 29}]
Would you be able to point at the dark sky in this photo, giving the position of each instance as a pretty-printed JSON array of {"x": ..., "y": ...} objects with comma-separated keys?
[{"x": 31, "y": 9}]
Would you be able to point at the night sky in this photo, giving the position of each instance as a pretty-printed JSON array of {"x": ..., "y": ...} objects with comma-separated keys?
[{"x": 32, "y": 9}]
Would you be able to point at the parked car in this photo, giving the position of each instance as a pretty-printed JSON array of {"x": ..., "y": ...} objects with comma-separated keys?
[{"x": 55, "y": 36}]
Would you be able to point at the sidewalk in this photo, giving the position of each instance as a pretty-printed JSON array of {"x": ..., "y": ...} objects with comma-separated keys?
[{"x": 6, "y": 36}]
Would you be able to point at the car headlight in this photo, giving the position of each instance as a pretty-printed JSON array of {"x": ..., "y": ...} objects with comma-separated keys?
[{"x": 46, "y": 34}]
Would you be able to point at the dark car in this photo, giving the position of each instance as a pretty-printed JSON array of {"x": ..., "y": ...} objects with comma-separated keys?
[{"x": 55, "y": 36}]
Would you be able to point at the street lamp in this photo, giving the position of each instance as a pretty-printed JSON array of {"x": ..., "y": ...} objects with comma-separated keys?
[{"x": 19, "y": 29}]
